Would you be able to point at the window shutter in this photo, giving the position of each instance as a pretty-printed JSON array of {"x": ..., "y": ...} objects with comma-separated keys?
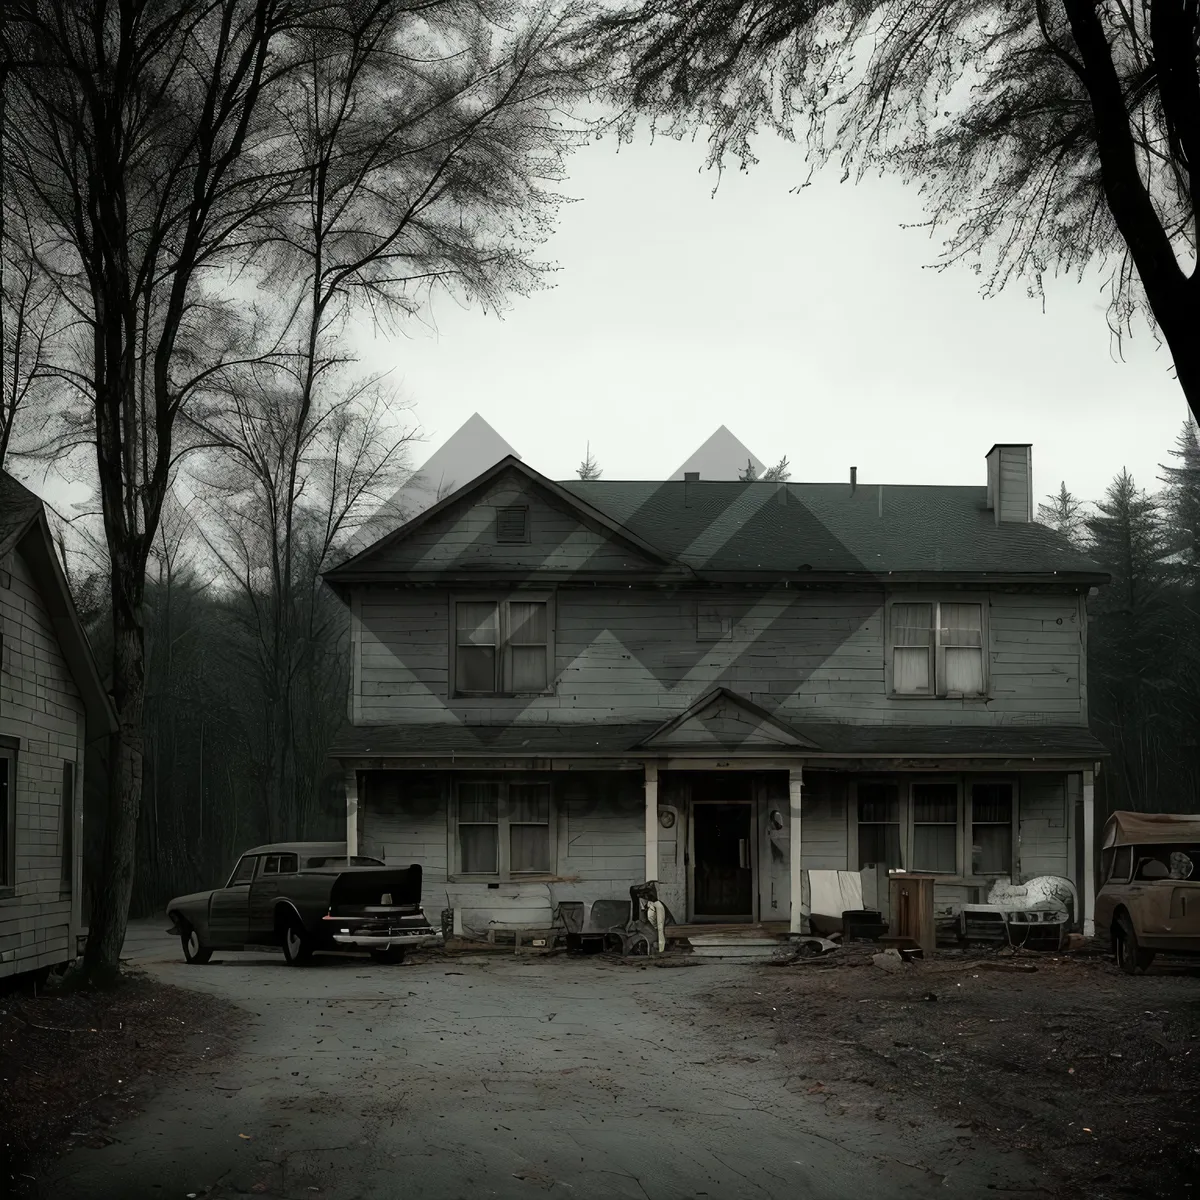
[{"x": 512, "y": 524}]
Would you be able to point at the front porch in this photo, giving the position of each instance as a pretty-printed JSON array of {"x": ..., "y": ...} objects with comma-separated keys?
[{"x": 730, "y": 843}]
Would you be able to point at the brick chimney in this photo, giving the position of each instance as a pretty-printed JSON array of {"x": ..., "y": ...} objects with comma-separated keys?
[{"x": 1010, "y": 482}]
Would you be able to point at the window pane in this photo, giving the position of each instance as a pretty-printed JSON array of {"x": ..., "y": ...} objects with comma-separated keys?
[
  {"x": 912, "y": 624},
  {"x": 964, "y": 670},
  {"x": 287, "y": 864},
  {"x": 475, "y": 669},
  {"x": 992, "y": 850},
  {"x": 478, "y": 802},
  {"x": 933, "y": 848},
  {"x": 935, "y": 802},
  {"x": 991, "y": 802},
  {"x": 529, "y": 802},
  {"x": 5, "y": 799},
  {"x": 528, "y": 668},
  {"x": 1123, "y": 864},
  {"x": 68, "y": 823},
  {"x": 527, "y": 623},
  {"x": 962, "y": 625},
  {"x": 878, "y": 802},
  {"x": 530, "y": 848},
  {"x": 879, "y": 844},
  {"x": 480, "y": 849},
  {"x": 910, "y": 670},
  {"x": 477, "y": 624},
  {"x": 271, "y": 866},
  {"x": 245, "y": 870}
]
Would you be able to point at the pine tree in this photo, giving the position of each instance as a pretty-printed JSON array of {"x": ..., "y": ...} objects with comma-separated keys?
[
  {"x": 1064, "y": 513},
  {"x": 750, "y": 473},
  {"x": 779, "y": 472},
  {"x": 1132, "y": 656},
  {"x": 589, "y": 469},
  {"x": 1182, "y": 498}
]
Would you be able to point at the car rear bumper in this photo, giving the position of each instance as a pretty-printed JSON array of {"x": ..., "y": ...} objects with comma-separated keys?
[{"x": 391, "y": 941}]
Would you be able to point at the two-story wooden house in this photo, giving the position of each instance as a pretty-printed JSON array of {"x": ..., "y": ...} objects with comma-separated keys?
[
  {"x": 563, "y": 689},
  {"x": 52, "y": 707}
]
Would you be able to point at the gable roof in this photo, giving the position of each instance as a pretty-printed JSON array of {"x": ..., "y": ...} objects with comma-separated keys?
[
  {"x": 721, "y": 718},
  {"x": 359, "y": 566},
  {"x": 470, "y": 450},
  {"x": 23, "y": 527},
  {"x": 767, "y": 532},
  {"x": 757, "y": 530}
]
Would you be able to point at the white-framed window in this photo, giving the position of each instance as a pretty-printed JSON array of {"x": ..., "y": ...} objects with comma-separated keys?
[
  {"x": 935, "y": 812},
  {"x": 993, "y": 827},
  {"x": 963, "y": 827},
  {"x": 937, "y": 647},
  {"x": 503, "y": 829},
  {"x": 878, "y": 812},
  {"x": 502, "y": 647}
]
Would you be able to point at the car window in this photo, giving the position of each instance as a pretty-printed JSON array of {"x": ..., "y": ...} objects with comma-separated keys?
[
  {"x": 271, "y": 865},
  {"x": 288, "y": 863},
  {"x": 359, "y": 860},
  {"x": 245, "y": 870},
  {"x": 1122, "y": 865}
]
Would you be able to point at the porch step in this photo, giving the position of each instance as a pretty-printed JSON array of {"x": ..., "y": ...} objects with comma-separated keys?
[{"x": 735, "y": 942}]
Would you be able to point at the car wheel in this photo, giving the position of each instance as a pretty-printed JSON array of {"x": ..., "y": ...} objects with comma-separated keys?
[
  {"x": 297, "y": 948},
  {"x": 195, "y": 951},
  {"x": 392, "y": 955},
  {"x": 1131, "y": 958}
]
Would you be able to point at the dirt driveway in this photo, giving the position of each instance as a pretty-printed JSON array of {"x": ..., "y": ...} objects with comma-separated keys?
[{"x": 504, "y": 1076}]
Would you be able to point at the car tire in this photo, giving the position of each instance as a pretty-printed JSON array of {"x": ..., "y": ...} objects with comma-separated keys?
[
  {"x": 390, "y": 957},
  {"x": 195, "y": 952},
  {"x": 1131, "y": 958},
  {"x": 297, "y": 946}
]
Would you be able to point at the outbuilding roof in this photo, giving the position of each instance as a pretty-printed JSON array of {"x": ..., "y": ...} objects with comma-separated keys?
[{"x": 24, "y": 528}]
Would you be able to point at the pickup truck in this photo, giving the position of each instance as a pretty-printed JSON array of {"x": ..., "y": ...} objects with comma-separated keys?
[{"x": 304, "y": 897}]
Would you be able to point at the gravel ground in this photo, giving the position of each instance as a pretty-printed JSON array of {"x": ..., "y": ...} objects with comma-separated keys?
[{"x": 1090, "y": 1073}]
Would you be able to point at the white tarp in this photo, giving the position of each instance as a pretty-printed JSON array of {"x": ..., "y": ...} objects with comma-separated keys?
[{"x": 831, "y": 893}]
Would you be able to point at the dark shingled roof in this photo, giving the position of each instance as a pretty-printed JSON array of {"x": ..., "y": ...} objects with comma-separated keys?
[
  {"x": 19, "y": 508},
  {"x": 739, "y": 527},
  {"x": 518, "y": 740},
  {"x": 540, "y": 740}
]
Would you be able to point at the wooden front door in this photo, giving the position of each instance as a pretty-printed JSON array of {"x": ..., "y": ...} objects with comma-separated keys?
[{"x": 723, "y": 860}]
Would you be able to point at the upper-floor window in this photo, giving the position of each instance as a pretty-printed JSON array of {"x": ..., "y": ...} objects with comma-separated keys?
[
  {"x": 937, "y": 648},
  {"x": 502, "y": 647}
]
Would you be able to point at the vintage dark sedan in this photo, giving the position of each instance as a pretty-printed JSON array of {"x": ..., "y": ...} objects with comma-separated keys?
[{"x": 305, "y": 897}]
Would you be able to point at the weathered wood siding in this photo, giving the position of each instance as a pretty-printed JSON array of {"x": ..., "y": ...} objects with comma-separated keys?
[
  {"x": 632, "y": 654},
  {"x": 463, "y": 538},
  {"x": 1044, "y": 826},
  {"x": 598, "y": 835},
  {"x": 41, "y": 706}
]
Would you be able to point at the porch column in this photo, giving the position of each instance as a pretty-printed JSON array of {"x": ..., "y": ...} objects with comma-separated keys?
[
  {"x": 1089, "y": 854},
  {"x": 651, "y": 786},
  {"x": 351, "y": 813},
  {"x": 795, "y": 788}
]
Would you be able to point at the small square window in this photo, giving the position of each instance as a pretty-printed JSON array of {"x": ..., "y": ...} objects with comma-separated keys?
[{"x": 512, "y": 524}]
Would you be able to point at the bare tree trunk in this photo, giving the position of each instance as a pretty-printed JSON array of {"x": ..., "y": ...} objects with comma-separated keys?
[{"x": 110, "y": 912}]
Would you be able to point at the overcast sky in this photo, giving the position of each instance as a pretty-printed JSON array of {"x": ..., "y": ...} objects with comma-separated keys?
[{"x": 809, "y": 323}]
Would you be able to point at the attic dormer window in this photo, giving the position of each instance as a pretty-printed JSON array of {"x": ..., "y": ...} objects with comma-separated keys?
[{"x": 512, "y": 524}]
